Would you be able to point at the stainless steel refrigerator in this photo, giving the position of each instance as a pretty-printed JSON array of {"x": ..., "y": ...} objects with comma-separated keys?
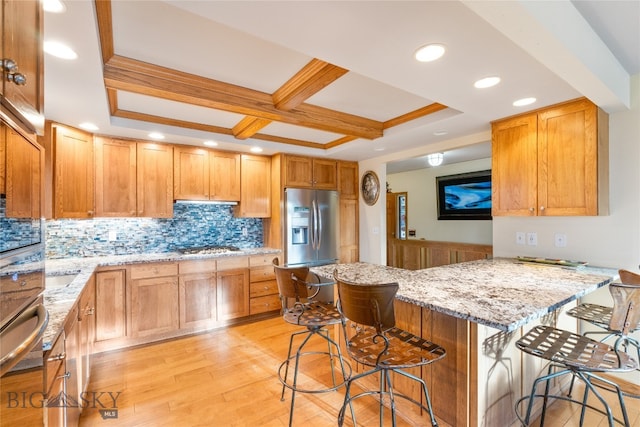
[{"x": 312, "y": 231}]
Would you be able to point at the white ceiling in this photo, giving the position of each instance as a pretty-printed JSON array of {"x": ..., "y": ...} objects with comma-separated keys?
[{"x": 552, "y": 50}]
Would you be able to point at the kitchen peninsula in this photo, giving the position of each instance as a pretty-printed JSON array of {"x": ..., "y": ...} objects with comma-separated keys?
[{"x": 476, "y": 310}]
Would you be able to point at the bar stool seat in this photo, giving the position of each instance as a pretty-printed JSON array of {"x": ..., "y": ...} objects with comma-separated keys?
[
  {"x": 373, "y": 340},
  {"x": 300, "y": 309},
  {"x": 584, "y": 358}
]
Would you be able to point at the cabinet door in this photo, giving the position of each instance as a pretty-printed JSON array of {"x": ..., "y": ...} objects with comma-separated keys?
[
  {"x": 73, "y": 173},
  {"x": 197, "y": 300},
  {"x": 298, "y": 172},
  {"x": 514, "y": 166},
  {"x": 325, "y": 174},
  {"x": 110, "y": 305},
  {"x": 255, "y": 188},
  {"x": 568, "y": 160},
  {"x": 73, "y": 364},
  {"x": 190, "y": 173},
  {"x": 225, "y": 176},
  {"x": 154, "y": 306},
  {"x": 55, "y": 414},
  {"x": 155, "y": 180},
  {"x": 24, "y": 162},
  {"x": 349, "y": 240},
  {"x": 87, "y": 331},
  {"x": 348, "y": 180},
  {"x": 115, "y": 177},
  {"x": 22, "y": 29},
  {"x": 233, "y": 294}
]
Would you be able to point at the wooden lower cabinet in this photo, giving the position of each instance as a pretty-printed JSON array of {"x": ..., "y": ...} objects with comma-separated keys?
[
  {"x": 154, "y": 299},
  {"x": 263, "y": 288},
  {"x": 87, "y": 332},
  {"x": 198, "y": 308},
  {"x": 110, "y": 313},
  {"x": 418, "y": 254},
  {"x": 232, "y": 294}
]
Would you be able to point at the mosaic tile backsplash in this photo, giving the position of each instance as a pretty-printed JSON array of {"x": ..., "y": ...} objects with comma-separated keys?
[
  {"x": 192, "y": 225},
  {"x": 17, "y": 233}
]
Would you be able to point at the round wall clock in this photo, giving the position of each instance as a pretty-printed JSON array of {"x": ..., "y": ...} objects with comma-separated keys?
[{"x": 370, "y": 188}]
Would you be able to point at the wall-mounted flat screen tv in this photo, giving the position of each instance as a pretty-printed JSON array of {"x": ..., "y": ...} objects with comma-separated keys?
[{"x": 464, "y": 196}]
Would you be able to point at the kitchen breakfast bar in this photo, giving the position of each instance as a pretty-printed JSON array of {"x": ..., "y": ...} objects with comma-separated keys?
[{"x": 477, "y": 310}]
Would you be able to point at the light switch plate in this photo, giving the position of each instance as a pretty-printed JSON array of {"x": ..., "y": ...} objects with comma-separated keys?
[
  {"x": 561, "y": 240},
  {"x": 532, "y": 239},
  {"x": 520, "y": 238}
]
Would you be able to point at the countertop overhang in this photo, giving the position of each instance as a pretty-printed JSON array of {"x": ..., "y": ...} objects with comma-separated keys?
[{"x": 501, "y": 293}]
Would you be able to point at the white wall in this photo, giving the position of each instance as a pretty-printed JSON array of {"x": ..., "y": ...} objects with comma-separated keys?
[{"x": 422, "y": 214}]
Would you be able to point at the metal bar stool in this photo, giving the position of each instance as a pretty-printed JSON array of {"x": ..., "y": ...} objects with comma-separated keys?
[
  {"x": 294, "y": 285},
  {"x": 373, "y": 340},
  {"x": 601, "y": 316},
  {"x": 583, "y": 358}
]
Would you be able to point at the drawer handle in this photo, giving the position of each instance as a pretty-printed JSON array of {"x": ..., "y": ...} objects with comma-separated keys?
[
  {"x": 90, "y": 311},
  {"x": 266, "y": 288},
  {"x": 66, "y": 375},
  {"x": 59, "y": 356},
  {"x": 23, "y": 283}
]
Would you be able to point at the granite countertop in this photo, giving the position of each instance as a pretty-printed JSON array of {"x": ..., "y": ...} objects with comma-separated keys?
[
  {"x": 502, "y": 293},
  {"x": 60, "y": 300}
]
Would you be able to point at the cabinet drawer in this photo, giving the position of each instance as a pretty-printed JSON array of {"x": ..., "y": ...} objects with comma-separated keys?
[
  {"x": 264, "y": 304},
  {"x": 232, "y": 263},
  {"x": 21, "y": 282},
  {"x": 258, "y": 274},
  {"x": 53, "y": 361},
  {"x": 260, "y": 260},
  {"x": 153, "y": 270},
  {"x": 258, "y": 289},
  {"x": 197, "y": 266}
]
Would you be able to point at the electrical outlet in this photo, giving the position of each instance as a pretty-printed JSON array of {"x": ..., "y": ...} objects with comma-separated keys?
[
  {"x": 113, "y": 235},
  {"x": 532, "y": 239},
  {"x": 245, "y": 233},
  {"x": 520, "y": 238},
  {"x": 561, "y": 240}
]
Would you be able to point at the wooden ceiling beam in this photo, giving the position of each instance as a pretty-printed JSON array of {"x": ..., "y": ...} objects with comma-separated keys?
[
  {"x": 248, "y": 126},
  {"x": 415, "y": 114},
  {"x": 311, "y": 79},
  {"x": 152, "y": 80}
]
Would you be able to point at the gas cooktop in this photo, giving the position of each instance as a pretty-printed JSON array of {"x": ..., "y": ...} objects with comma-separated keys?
[{"x": 209, "y": 250}]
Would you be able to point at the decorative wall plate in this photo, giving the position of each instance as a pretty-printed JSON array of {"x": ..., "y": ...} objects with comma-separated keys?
[{"x": 370, "y": 188}]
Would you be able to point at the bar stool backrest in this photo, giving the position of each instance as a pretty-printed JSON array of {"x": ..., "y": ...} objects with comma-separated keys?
[
  {"x": 370, "y": 305},
  {"x": 626, "y": 303},
  {"x": 288, "y": 282}
]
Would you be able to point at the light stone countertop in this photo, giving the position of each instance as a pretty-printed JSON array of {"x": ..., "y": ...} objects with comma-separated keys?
[
  {"x": 502, "y": 293},
  {"x": 59, "y": 301}
]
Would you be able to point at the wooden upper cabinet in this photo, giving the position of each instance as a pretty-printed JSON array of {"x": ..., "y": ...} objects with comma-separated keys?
[
  {"x": 21, "y": 42},
  {"x": 73, "y": 172},
  {"x": 348, "y": 180},
  {"x": 115, "y": 177},
  {"x": 309, "y": 172},
  {"x": 23, "y": 174},
  {"x": 154, "y": 180},
  {"x": 225, "y": 176},
  {"x": 255, "y": 188},
  {"x": 190, "y": 173},
  {"x": 551, "y": 162}
]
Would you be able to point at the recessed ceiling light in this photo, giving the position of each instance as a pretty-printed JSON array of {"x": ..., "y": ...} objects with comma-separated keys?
[
  {"x": 88, "y": 126},
  {"x": 210, "y": 143},
  {"x": 435, "y": 159},
  {"x": 156, "y": 135},
  {"x": 256, "y": 150},
  {"x": 430, "y": 52},
  {"x": 487, "y": 82},
  {"x": 524, "y": 101},
  {"x": 440, "y": 132},
  {"x": 378, "y": 149},
  {"x": 54, "y": 6},
  {"x": 59, "y": 50}
]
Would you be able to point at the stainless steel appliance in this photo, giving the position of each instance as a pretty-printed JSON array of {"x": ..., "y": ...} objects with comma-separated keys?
[
  {"x": 23, "y": 318},
  {"x": 312, "y": 229}
]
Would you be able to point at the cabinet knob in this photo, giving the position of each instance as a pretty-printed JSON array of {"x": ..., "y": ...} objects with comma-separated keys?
[
  {"x": 531, "y": 209},
  {"x": 541, "y": 208},
  {"x": 8, "y": 65},
  {"x": 58, "y": 356},
  {"x": 23, "y": 283},
  {"x": 90, "y": 213},
  {"x": 266, "y": 288},
  {"x": 17, "y": 78}
]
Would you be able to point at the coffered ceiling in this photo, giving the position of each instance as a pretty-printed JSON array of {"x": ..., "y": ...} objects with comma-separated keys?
[{"x": 334, "y": 79}]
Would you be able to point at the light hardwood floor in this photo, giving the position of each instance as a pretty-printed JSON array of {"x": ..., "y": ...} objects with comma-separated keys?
[{"x": 226, "y": 377}]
